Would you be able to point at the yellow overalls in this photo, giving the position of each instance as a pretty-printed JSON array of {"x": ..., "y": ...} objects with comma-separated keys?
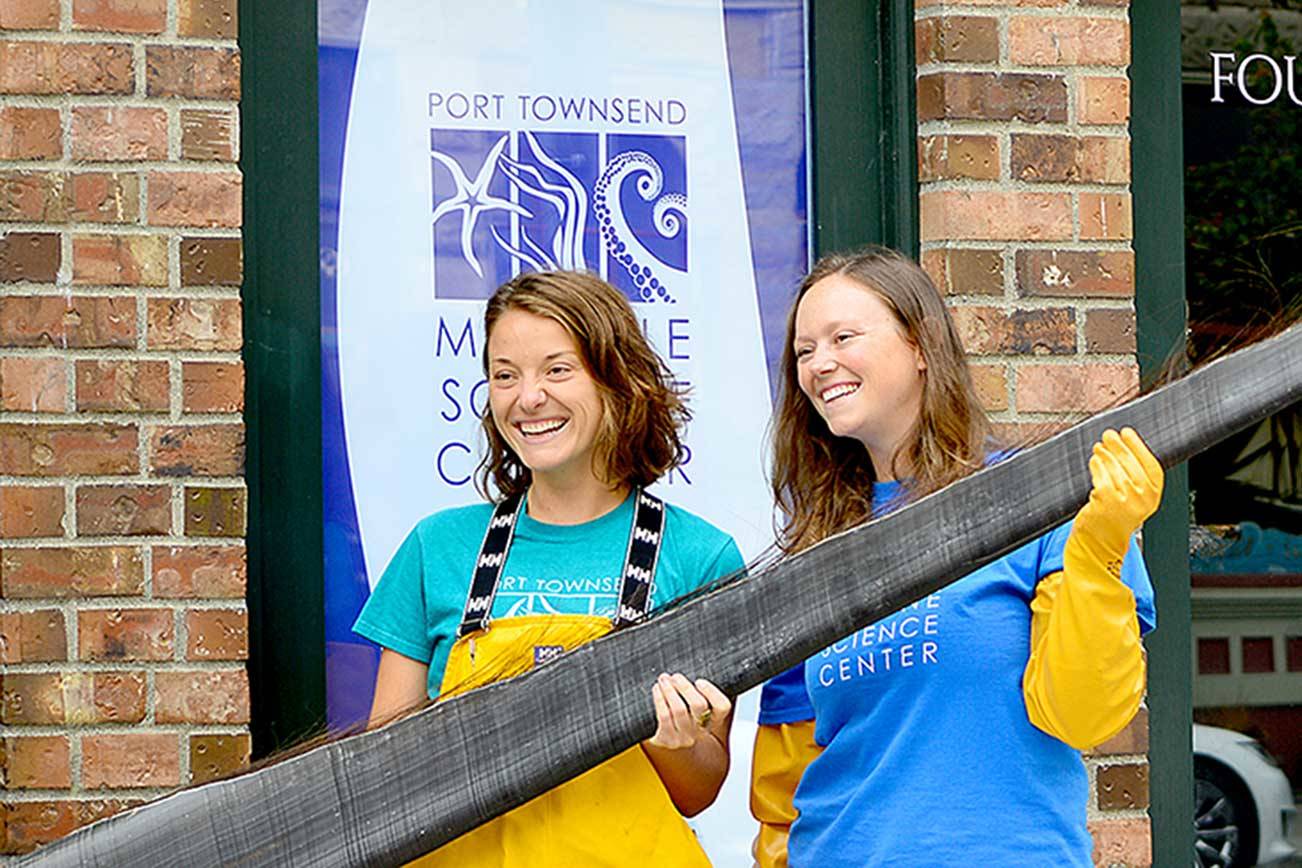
[{"x": 616, "y": 814}]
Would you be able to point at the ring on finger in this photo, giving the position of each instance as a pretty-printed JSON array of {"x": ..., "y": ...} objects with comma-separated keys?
[{"x": 703, "y": 719}]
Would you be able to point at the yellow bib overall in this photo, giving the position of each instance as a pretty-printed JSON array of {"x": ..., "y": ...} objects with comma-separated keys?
[{"x": 616, "y": 814}]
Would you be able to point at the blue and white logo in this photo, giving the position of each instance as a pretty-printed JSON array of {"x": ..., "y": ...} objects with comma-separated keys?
[{"x": 511, "y": 201}]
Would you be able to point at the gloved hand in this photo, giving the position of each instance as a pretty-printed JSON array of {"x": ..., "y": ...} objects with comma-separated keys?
[
  {"x": 1127, "y": 489},
  {"x": 1085, "y": 677}
]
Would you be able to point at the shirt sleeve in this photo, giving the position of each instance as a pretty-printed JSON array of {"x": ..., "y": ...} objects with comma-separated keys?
[
  {"x": 394, "y": 615},
  {"x": 784, "y": 698},
  {"x": 1134, "y": 573}
]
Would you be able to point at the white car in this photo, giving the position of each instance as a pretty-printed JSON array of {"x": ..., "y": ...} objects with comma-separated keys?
[{"x": 1243, "y": 804}]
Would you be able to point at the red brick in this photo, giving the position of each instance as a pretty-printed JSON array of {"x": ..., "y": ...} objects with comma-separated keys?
[
  {"x": 123, "y": 16},
  {"x": 959, "y": 271},
  {"x": 1122, "y": 843},
  {"x": 208, "y": 135},
  {"x": 120, "y": 259},
  {"x": 212, "y": 387},
  {"x": 29, "y": 256},
  {"x": 1131, "y": 740},
  {"x": 212, "y": 261},
  {"x": 195, "y": 199},
  {"x": 1096, "y": 159},
  {"x": 217, "y": 634},
  {"x": 125, "y": 634},
  {"x": 195, "y": 324},
  {"x": 71, "y": 572},
  {"x": 32, "y": 699},
  {"x": 67, "y": 323},
  {"x": 98, "y": 448},
  {"x": 1103, "y": 100},
  {"x": 1105, "y": 216},
  {"x": 28, "y": 825},
  {"x": 957, "y": 39},
  {"x": 193, "y": 73},
  {"x": 111, "y": 385},
  {"x": 950, "y": 157},
  {"x": 30, "y": 134},
  {"x": 991, "y": 384},
  {"x": 207, "y": 19},
  {"x": 119, "y": 133},
  {"x": 1074, "y": 388},
  {"x": 1042, "y": 41},
  {"x": 124, "y": 510},
  {"x": 1074, "y": 273},
  {"x": 995, "y": 215},
  {"x": 105, "y": 197},
  {"x": 31, "y": 511},
  {"x": 1110, "y": 331},
  {"x": 118, "y": 697},
  {"x": 197, "y": 450},
  {"x": 31, "y": 196},
  {"x": 36, "y": 762},
  {"x": 992, "y": 330},
  {"x": 54, "y": 698},
  {"x": 29, "y": 14},
  {"x": 200, "y": 571},
  {"x": 33, "y": 637},
  {"x": 33, "y": 384},
  {"x": 66, "y": 67},
  {"x": 1123, "y": 787},
  {"x": 207, "y": 696},
  {"x": 58, "y": 197},
  {"x": 214, "y": 512},
  {"x": 130, "y": 760},
  {"x": 992, "y": 96},
  {"x": 216, "y": 756}
]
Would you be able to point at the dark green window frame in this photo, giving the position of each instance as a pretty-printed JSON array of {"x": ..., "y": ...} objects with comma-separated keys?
[{"x": 864, "y": 184}]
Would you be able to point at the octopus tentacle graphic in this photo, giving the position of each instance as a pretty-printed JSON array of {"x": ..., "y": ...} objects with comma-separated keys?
[{"x": 669, "y": 213}]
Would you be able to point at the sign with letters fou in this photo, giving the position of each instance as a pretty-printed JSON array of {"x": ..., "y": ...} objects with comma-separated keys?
[{"x": 660, "y": 145}]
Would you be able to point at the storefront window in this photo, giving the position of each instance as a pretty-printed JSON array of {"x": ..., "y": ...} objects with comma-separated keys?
[{"x": 1243, "y": 221}]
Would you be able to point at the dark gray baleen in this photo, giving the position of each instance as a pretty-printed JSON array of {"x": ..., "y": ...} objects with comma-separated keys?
[{"x": 387, "y": 796}]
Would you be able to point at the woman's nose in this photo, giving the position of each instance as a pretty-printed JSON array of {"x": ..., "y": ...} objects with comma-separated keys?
[{"x": 532, "y": 394}]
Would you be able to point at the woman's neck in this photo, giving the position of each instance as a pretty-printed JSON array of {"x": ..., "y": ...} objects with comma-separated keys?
[{"x": 553, "y": 503}]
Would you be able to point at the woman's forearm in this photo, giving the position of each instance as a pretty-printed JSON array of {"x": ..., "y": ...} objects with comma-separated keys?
[{"x": 692, "y": 775}]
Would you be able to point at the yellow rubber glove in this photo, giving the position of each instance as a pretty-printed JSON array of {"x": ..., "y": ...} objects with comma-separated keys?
[
  {"x": 1085, "y": 679},
  {"x": 782, "y": 753}
]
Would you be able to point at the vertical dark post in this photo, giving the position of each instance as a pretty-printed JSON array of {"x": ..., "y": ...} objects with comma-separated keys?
[
  {"x": 1156, "y": 142},
  {"x": 282, "y": 355},
  {"x": 863, "y": 125}
]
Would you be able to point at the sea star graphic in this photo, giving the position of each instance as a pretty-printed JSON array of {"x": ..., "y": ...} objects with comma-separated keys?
[{"x": 473, "y": 199}]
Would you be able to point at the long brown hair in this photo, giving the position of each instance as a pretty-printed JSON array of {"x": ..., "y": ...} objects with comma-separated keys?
[
  {"x": 642, "y": 410},
  {"x": 822, "y": 483}
]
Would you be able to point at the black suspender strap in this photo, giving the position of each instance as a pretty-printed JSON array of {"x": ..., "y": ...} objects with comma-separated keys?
[
  {"x": 640, "y": 562},
  {"x": 488, "y": 566},
  {"x": 636, "y": 581}
]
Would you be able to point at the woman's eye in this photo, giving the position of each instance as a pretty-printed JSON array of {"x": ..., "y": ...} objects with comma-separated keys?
[
  {"x": 502, "y": 377},
  {"x": 803, "y": 352},
  {"x": 843, "y": 337},
  {"x": 558, "y": 371}
]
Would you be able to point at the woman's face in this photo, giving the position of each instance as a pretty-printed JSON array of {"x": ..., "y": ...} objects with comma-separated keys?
[
  {"x": 856, "y": 366},
  {"x": 543, "y": 401}
]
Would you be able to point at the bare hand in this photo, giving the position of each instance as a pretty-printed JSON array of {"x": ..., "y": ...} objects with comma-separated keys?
[{"x": 686, "y": 712}]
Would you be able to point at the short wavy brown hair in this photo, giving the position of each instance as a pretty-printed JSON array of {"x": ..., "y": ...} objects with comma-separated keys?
[{"x": 642, "y": 410}]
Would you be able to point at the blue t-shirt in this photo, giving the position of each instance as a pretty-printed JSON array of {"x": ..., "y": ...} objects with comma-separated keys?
[
  {"x": 929, "y": 757},
  {"x": 550, "y": 569}
]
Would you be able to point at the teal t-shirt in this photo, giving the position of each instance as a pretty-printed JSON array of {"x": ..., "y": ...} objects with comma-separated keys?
[{"x": 551, "y": 569}]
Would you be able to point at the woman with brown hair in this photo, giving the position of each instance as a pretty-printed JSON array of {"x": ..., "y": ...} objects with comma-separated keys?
[
  {"x": 581, "y": 418},
  {"x": 949, "y": 733}
]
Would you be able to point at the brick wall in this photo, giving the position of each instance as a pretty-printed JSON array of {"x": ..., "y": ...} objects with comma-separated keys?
[
  {"x": 123, "y": 627},
  {"x": 1024, "y": 164}
]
